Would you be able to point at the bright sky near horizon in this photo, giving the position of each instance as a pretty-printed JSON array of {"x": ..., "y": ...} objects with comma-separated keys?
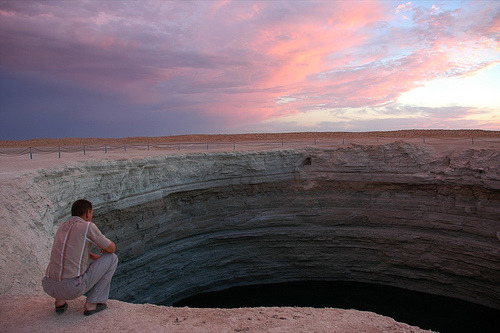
[{"x": 153, "y": 68}]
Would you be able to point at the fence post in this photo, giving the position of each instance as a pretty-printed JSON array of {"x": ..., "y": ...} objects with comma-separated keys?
[
  {"x": 124, "y": 147},
  {"x": 31, "y": 154},
  {"x": 83, "y": 149},
  {"x": 105, "y": 149},
  {"x": 148, "y": 145},
  {"x": 234, "y": 145},
  {"x": 315, "y": 141},
  {"x": 59, "y": 149},
  {"x": 424, "y": 139},
  {"x": 179, "y": 146}
]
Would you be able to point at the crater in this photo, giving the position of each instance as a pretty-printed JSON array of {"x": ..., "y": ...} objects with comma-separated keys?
[
  {"x": 393, "y": 215},
  {"x": 397, "y": 215}
]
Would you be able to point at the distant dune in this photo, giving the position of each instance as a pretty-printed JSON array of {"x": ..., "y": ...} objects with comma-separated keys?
[{"x": 250, "y": 137}]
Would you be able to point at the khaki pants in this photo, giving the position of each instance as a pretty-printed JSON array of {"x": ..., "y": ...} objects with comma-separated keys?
[{"x": 95, "y": 282}]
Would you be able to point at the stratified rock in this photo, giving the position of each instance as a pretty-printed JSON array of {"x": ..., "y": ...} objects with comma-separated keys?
[{"x": 399, "y": 214}]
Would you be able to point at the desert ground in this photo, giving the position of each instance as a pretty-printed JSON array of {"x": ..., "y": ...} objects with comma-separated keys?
[
  {"x": 418, "y": 135},
  {"x": 15, "y": 156},
  {"x": 36, "y": 314},
  {"x": 29, "y": 313}
]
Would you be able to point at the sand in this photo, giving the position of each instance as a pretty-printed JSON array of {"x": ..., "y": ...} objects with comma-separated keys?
[
  {"x": 36, "y": 313},
  {"x": 274, "y": 137},
  {"x": 15, "y": 157}
]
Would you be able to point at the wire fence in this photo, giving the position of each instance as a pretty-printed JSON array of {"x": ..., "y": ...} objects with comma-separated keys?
[{"x": 59, "y": 151}]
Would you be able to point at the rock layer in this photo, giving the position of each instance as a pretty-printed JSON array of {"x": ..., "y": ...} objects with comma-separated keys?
[{"x": 397, "y": 214}]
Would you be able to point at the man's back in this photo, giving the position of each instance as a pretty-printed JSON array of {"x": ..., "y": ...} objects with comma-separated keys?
[{"x": 70, "y": 252}]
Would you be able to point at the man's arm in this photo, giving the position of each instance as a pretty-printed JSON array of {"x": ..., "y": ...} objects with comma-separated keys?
[
  {"x": 111, "y": 248},
  {"x": 99, "y": 239}
]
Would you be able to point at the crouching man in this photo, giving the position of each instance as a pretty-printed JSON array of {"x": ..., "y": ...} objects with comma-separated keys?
[{"x": 69, "y": 274}]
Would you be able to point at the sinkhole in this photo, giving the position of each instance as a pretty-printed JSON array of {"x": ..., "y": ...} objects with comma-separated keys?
[{"x": 371, "y": 240}]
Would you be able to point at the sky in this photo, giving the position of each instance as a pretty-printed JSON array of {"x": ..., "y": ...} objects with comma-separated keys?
[{"x": 156, "y": 68}]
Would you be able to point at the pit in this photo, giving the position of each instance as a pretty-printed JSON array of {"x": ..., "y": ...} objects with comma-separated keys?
[{"x": 398, "y": 216}]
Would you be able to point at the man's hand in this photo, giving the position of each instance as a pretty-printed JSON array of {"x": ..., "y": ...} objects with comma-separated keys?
[{"x": 94, "y": 256}]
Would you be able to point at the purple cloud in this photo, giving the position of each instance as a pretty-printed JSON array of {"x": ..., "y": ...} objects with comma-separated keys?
[{"x": 229, "y": 63}]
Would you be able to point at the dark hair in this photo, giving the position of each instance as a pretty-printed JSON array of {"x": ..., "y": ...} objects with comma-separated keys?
[{"x": 80, "y": 207}]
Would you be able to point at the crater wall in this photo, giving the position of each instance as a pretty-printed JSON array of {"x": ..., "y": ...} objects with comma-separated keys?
[{"x": 399, "y": 214}]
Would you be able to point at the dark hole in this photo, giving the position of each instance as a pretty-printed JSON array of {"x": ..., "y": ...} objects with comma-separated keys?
[
  {"x": 307, "y": 161},
  {"x": 437, "y": 313}
]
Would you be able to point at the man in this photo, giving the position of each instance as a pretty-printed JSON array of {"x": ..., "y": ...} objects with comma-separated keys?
[{"x": 69, "y": 274}]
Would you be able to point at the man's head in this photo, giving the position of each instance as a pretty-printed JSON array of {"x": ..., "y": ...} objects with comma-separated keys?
[{"x": 82, "y": 208}]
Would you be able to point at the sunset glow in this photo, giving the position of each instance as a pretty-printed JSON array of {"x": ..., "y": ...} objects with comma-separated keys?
[{"x": 153, "y": 68}]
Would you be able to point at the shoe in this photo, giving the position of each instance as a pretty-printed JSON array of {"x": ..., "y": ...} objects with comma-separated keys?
[
  {"x": 99, "y": 308},
  {"x": 61, "y": 308}
]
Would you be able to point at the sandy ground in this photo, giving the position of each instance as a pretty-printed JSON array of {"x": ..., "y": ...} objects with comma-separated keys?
[
  {"x": 15, "y": 156},
  {"x": 403, "y": 134},
  {"x": 32, "y": 313},
  {"x": 36, "y": 314}
]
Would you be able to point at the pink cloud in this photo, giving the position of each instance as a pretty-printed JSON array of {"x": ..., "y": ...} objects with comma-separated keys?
[
  {"x": 403, "y": 7},
  {"x": 236, "y": 59},
  {"x": 436, "y": 47}
]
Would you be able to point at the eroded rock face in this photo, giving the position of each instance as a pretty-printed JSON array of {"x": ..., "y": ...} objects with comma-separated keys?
[{"x": 398, "y": 214}]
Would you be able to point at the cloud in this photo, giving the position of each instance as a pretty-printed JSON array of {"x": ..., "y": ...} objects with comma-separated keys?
[
  {"x": 440, "y": 45},
  {"x": 44, "y": 108},
  {"x": 117, "y": 47},
  {"x": 239, "y": 62},
  {"x": 392, "y": 117},
  {"x": 403, "y": 7}
]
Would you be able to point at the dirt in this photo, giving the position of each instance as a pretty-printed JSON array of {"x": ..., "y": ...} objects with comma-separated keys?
[
  {"x": 36, "y": 314},
  {"x": 403, "y": 134}
]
